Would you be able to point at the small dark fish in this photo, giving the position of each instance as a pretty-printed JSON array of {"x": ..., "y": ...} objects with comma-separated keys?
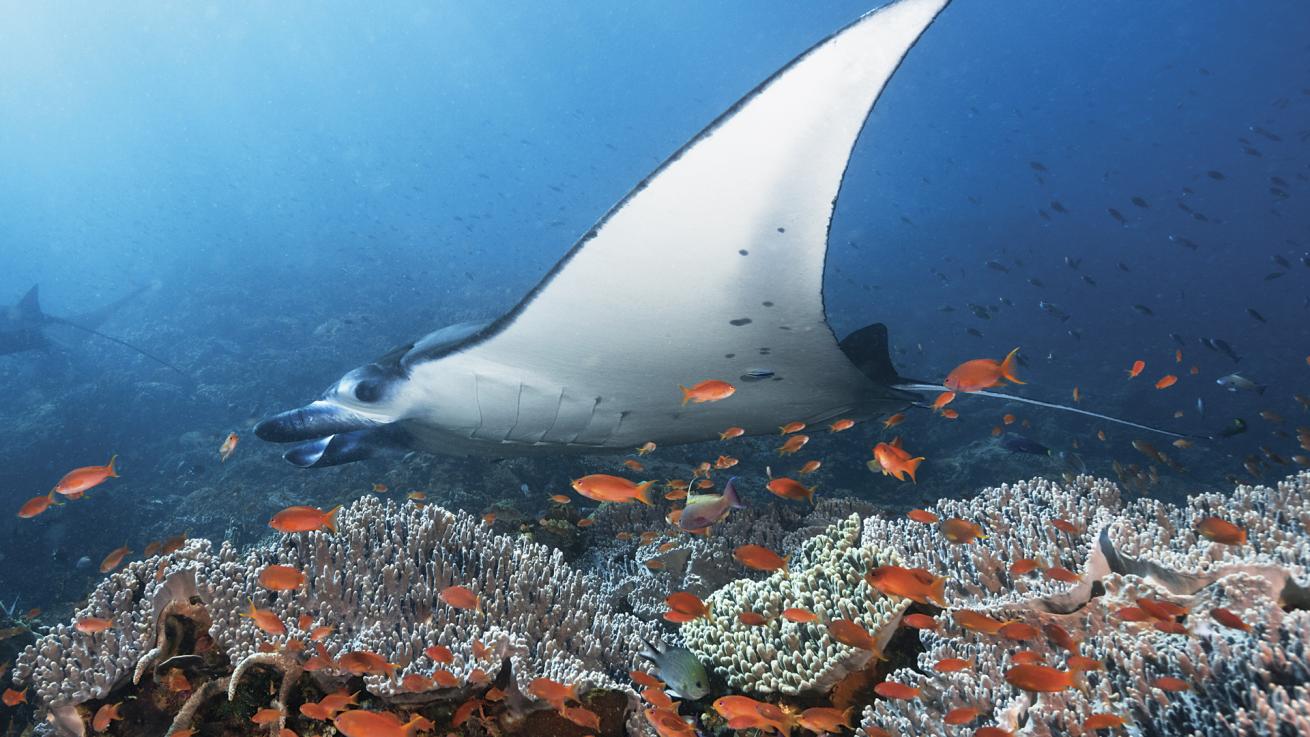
[
  {"x": 1184, "y": 242},
  {"x": 1223, "y": 347},
  {"x": 1201, "y": 217},
  {"x": 1178, "y": 339},
  {"x": 998, "y": 266},
  {"x": 1016, "y": 443},
  {"x": 1184, "y": 206},
  {"x": 946, "y": 308},
  {"x": 1124, "y": 267},
  {"x": 1255, "y": 315},
  {"x": 1035, "y": 282},
  {"x": 1141, "y": 202},
  {"x": 1073, "y": 263},
  {"x": 975, "y": 332},
  {"x": 1005, "y": 301},
  {"x": 1051, "y": 308},
  {"x": 1251, "y": 151},
  {"x": 1059, "y": 207},
  {"x": 1278, "y": 181},
  {"x": 1275, "y": 275},
  {"x": 1037, "y": 166},
  {"x": 1116, "y": 215},
  {"x": 1216, "y": 175},
  {"x": 1144, "y": 310},
  {"x": 1090, "y": 281},
  {"x": 1075, "y": 333},
  {"x": 1044, "y": 215},
  {"x": 1280, "y": 261},
  {"x": 1236, "y": 427},
  {"x": 1188, "y": 190},
  {"x": 1209, "y": 343},
  {"x": 979, "y": 311}
]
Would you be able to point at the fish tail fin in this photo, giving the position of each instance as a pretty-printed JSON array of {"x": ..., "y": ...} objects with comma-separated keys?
[
  {"x": 1007, "y": 367},
  {"x": 937, "y": 592},
  {"x": 911, "y": 467},
  {"x": 113, "y": 472},
  {"x": 731, "y": 495},
  {"x": 330, "y": 519},
  {"x": 642, "y": 494},
  {"x": 809, "y": 494},
  {"x": 686, "y": 394}
]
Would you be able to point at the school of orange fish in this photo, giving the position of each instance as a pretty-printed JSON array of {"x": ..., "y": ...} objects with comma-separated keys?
[{"x": 740, "y": 712}]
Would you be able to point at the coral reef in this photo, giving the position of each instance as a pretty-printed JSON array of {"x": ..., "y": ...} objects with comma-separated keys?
[
  {"x": 376, "y": 583},
  {"x": 824, "y": 577}
]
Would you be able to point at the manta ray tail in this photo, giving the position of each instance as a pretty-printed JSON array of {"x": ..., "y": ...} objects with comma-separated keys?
[
  {"x": 123, "y": 343},
  {"x": 920, "y": 387}
]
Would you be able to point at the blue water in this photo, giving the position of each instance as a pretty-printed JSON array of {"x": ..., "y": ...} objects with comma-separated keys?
[{"x": 297, "y": 182}]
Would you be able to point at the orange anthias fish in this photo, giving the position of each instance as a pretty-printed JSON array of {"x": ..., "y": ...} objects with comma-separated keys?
[
  {"x": 266, "y": 716},
  {"x": 791, "y": 427},
  {"x": 363, "y": 662},
  {"x": 896, "y": 691},
  {"x": 281, "y": 578},
  {"x": 1041, "y": 678},
  {"x": 361, "y": 723},
  {"x": 850, "y": 633},
  {"x": 79, "y": 480},
  {"x": 982, "y": 373},
  {"x": 265, "y": 620},
  {"x": 36, "y": 505},
  {"x": 841, "y": 425},
  {"x": 305, "y": 519},
  {"x": 922, "y": 516},
  {"x": 793, "y": 444},
  {"x": 1137, "y": 368},
  {"x": 820, "y": 719},
  {"x": 114, "y": 559},
  {"x": 228, "y": 447},
  {"x": 809, "y": 467},
  {"x": 893, "y": 421},
  {"x": 942, "y": 400},
  {"x": 1166, "y": 381},
  {"x": 915, "y": 584},
  {"x": 799, "y": 615},
  {"x": 961, "y": 531},
  {"x": 976, "y": 621},
  {"x": 603, "y": 487},
  {"x": 92, "y": 625},
  {"x": 710, "y": 390},
  {"x": 552, "y": 692},
  {"x": 1221, "y": 531},
  {"x": 789, "y": 488},
  {"x": 759, "y": 558},
  {"x": 687, "y": 603},
  {"x": 104, "y": 715},
  {"x": 14, "y": 698},
  {"x": 1228, "y": 619},
  {"x": 895, "y": 461},
  {"x": 460, "y": 597},
  {"x": 732, "y": 432},
  {"x": 646, "y": 448}
]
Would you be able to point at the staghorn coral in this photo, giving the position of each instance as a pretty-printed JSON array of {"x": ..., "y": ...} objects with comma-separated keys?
[
  {"x": 1017, "y": 521},
  {"x": 825, "y": 576},
  {"x": 1248, "y": 683},
  {"x": 376, "y": 581}
]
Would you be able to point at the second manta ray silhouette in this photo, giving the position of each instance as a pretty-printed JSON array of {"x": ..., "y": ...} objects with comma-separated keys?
[{"x": 591, "y": 359}]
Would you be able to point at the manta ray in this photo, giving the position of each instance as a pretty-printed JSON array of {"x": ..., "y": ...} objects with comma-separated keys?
[
  {"x": 591, "y": 359},
  {"x": 24, "y": 326}
]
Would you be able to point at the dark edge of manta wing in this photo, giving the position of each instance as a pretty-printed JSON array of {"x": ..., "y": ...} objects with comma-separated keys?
[{"x": 504, "y": 321}]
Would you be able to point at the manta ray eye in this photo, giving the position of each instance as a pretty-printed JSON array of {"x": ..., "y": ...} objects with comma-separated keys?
[{"x": 369, "y": 390}]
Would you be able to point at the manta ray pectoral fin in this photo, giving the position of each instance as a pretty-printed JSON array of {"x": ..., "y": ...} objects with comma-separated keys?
[
  {"x": 314, "y": 421},
  {"x": 335, "y": 450}
]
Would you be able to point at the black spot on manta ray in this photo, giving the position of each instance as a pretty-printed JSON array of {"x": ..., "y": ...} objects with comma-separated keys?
[
  {"x": 784, "y": 327},
  {"x": 765, "y": 351},
  {"x": 743, "y": 252},
  {"x": 740, "y": 321},
  {"x": 730, "y": 355},
  {"x": 782, "y": 230},
  {"x": 767, "y": 303}
]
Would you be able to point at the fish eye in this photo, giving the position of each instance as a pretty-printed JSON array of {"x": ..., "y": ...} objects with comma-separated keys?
[{"x": 369, "y": 390}]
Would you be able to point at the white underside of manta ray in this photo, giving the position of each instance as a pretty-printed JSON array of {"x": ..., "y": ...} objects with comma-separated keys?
[{"x": 591, "y": 359}]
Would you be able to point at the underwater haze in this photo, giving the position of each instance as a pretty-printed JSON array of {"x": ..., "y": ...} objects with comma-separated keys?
[{"x": 297, "y": 188}]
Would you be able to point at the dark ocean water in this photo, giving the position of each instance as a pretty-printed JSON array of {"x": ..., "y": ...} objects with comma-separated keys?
[{"x": 305, "y": 190}]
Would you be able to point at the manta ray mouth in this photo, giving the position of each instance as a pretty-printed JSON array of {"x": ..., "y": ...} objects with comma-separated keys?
[
  {"x": 316, "y": 420},
  {"x": 332, "y": 450}
]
